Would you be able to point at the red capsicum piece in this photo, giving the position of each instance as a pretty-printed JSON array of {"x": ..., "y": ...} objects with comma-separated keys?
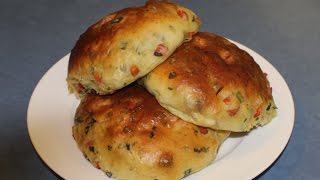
[
  {"x": 227, "y": 100},
  {"x": 131, "y": 104},
  {"x": 203, "y": 130},
  {"x": 233, "y": 112},
  {"x": 258, "y": 112},
  {"x": 183, "y": 14},
  {"x": 97, "y": 77},
  {"x": 134, "y": 70},
  {"x": 160, "y": 50},
  {"x": 80, "y": 88}
]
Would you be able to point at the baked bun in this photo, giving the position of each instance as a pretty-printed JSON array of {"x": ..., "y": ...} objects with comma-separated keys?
[
  {"x": 210, "y": 82},
  {"x": 128, "y": 44},
  {"x": 128, "y": 135}
]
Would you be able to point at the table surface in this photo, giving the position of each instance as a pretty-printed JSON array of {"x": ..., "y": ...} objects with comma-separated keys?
[{"x": 36, "y": 34}]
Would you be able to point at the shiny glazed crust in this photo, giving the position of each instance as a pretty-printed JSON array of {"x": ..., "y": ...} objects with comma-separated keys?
[
  {"x": 126, "y": 45},
  {"x": 128, "y": 135},
  {"x": 210, "y": 82}
]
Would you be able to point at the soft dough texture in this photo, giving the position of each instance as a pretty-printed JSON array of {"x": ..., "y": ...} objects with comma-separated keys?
[
  {"x": 210, "y": 82},
  {"x": 128, "y": 44},
  {"x": 129, "y": 135}
]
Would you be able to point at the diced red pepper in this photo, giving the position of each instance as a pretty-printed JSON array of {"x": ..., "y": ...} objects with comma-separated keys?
[
  {"x": 89, "y": 143},
  {"x": 131, "y": 104},
  {"x": 134, "y": 70},
  {"x": 233, "y": 112},
  {"x": 160, "y": 50},
  {"x": 203, "y": 130},
  {"x": 183, "y": 14},
  {"x": 258, "y": 112},
  {"x": 97, "y": 165},
  {"x": 227, "y": 100},
  {"x": 97, "y": 77},
  {"x": 80, "y": 88}
]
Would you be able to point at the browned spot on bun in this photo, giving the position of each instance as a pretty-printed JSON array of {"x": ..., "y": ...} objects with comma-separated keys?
[{"x": 166, "y": 159}]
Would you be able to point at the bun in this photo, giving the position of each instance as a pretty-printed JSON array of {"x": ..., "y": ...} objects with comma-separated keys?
[
  {"x": 210, "y": 82},
  {"x": 129, "y": 135},
  {"x": 126, "y": 45}
]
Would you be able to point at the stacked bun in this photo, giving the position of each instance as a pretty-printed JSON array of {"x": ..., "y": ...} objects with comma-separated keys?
[
  {"x": 201, "y": 87},
  {"x": 211, "y": 82},
  {"x": 127, "y": 45}
]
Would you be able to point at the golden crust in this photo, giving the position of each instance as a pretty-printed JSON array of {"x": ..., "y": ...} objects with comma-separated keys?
[
  {"x": 209, "y": 81},
  {"x": 128, "y": 44},
  {"x": 130, "y": 136}
]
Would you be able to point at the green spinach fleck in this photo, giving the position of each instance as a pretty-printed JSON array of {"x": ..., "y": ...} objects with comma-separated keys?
[
  {"x": 187, "y": 173},
  {"x": 200, "y": 150},
  {"x": 109, "y": 174}
]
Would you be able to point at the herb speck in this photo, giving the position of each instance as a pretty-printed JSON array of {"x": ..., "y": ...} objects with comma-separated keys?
[
  {"x": 269, "y": 106},
  {"x": 86, "y": 129},
  {"x": 78, "y": 120},
  {"x": 109, "y": 174},
  {"x": 219, "y": 90},
  {"x": 193, "y": 18},
  {"x": 240, "y": 97},
  {"x": 172, "y": 75},
  {"x": 151, "y": 135},
  {"x": 91, "y": 148},
  {"x": 200, "y": 150},
  {"x": 116, "y": 20},
  {"x": 128, "y": 147},
  {"x": 158, "y": 54},
  {"x": 187, "y": 173}
]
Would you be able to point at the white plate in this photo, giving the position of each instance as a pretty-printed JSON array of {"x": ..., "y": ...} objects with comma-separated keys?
[{"x": 50, "y": 118}]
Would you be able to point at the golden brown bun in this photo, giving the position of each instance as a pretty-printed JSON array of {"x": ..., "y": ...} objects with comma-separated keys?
[
  {"x": 130, "y": 136},
  {"x": 210, "y": 82},
  {"x": 128, "y": 44}
]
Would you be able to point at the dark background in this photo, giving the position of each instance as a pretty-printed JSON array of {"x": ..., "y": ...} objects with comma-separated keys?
[{"x": 36, "y": 34}]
